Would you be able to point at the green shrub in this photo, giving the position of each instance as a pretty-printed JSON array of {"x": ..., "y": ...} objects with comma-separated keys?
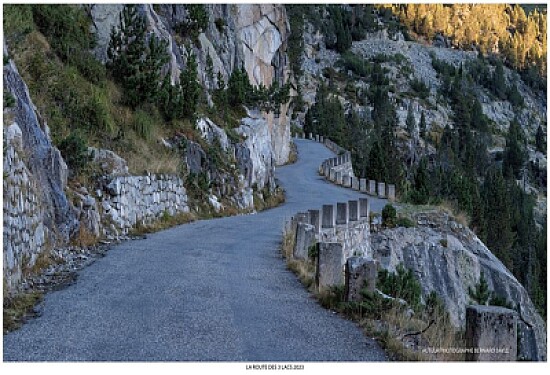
[
  {"x": 143, "y": 124},
  {"x": 98, "y": 111},
  {"x": 90, "y": 68},
  {"x": 9, "y": 100},
  {"x": 67, "y": 29},
  {"x": 497, "y": 300},
  {"x": 75, "y": 152},
  {"x": 18, "y": 22},
  {"x": 401, "y": 284},
  {"x": 420, "y": 88},
  {"x": 355, "y": 63},
  {"x": 373, "y": 306},
  {"x": 332, "y": 298},
  {"x": 313, "y": 251},
  {"x": 388, "y": 216},
  {"x": 481, "y": 293},
  {"x": 404, "y": 222},
  {"x": 220, "y": 24}
]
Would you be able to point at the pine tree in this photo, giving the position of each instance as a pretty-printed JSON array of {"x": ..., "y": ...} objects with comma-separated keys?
[
  {"x": 421, "y": 192},
  {"x": 499, "y": 82},
  {"x": 190, "y": 88},
  {"x": 498, "y": 233},
  {"x": 481, "y": 293},
  {"x": 540, "y": 142},
  {"x": 376, "y": 165},
  {"x": 133, "y": 62},
  {"x": 422, "y": 125},
  {"x": 410, "y": 122},
  {"x": 515, "y": 154},
  {"x": 170, "y": 102},
  {"x": 238, "y": 87}
]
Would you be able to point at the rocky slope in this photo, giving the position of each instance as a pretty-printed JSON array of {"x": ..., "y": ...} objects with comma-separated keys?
[
  {"x": 253, "y": 37},
  {"x": 37, "y": 213},
  {"x": 448, "y": 258}
]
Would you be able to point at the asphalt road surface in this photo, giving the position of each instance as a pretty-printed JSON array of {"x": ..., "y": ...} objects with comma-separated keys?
[{"x": 212, "y": 290}]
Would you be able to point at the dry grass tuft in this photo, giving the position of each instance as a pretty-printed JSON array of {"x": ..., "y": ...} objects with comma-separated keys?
[
  {"x": 293, "y": 154},
  {"x": 164, "y": 222},
  {"x": 18, "y": 308}
]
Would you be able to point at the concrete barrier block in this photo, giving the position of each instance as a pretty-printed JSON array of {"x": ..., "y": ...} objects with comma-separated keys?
[
  {"x": 332, "y": 175},
  {"x": 329, "y": 265},
  {"x": 315, "y": 220},
  {"x": 360, "y": 273},
  {"x": 355, "y": 183},
  {"x": 305, "y": 237},
  {"x": 328, "y": 219},
  {"x": 346, "y": 181},
  {"x": 341, "y": 213},
  {"x": 391, "y": 192},
  {"x": 364, "y": 208},
  {"x": 491, "y": 332},
  {"x": 372, "y": 187},
  {"x": 381, "y": 190},
  {"x": 353, "y": 208},
  {"x": 363, "y": 185}
]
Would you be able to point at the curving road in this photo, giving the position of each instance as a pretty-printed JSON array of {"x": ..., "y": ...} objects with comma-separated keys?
[{"x": 214, "y": 290}]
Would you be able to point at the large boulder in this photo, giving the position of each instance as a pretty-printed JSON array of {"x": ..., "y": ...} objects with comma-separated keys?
[{"x": 448, "y": 258}]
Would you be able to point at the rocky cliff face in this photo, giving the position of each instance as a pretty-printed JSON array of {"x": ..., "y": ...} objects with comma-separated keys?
[
  {"x": 37, "y": 213},
  {"x": 448, "y": 258},
  {"x": 253, "y": 37}
]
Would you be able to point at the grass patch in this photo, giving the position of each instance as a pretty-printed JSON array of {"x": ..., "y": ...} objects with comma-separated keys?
[
  {"x": 19, "y": 308},
  {"x": 269, "y": 199},
  {"x": 164, "y": 222},
  {"x": 293, "y": 154}
]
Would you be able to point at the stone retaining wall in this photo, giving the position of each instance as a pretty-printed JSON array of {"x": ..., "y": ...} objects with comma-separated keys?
[
  {"x": 24, "y": 231},
  {"x": 128, "y": 201}
]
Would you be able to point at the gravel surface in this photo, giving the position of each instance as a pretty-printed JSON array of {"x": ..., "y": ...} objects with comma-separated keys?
[{"x": 215, "y": 290}]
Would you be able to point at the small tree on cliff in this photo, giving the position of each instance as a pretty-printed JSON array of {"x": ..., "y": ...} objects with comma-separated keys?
[
  {"x": 134, "y": 62},
  {"x": 481, "y": 293},
  {"x": 190, "y": 88}
]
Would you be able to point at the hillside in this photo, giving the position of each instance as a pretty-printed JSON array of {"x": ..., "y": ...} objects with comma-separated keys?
[
  {"x": 122, "y": 120},
  {"x": 469, "y": 131}
]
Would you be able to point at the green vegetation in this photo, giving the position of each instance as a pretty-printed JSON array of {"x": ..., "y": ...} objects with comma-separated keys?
[
  {"x": 18, "y": 308},
  {"x": 461, "y": 173},
  {"x": 134, "y": 62},
  {"x": 75, "y": 152},
  {"x": 197, "y": 22},
  {"x": 9, "y": 100},
  {"x": 389, "y": 215},
  {"x": 402, "y": 284},
  {"x": 482, "y": 295}
]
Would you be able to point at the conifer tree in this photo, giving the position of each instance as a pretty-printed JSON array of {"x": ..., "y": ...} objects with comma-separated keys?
[
  {"x": 498, "y": 233},
  {"x": 540, "y": 142},
  {"x": 190, "y": 87},
  {"x": 410, "y": 122},
  {"x": 133, "y": 62},
  {"x": 514, "y": 154},
  {"x": 481, "y": 293},
  {"x": 499, "y": 82}
]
